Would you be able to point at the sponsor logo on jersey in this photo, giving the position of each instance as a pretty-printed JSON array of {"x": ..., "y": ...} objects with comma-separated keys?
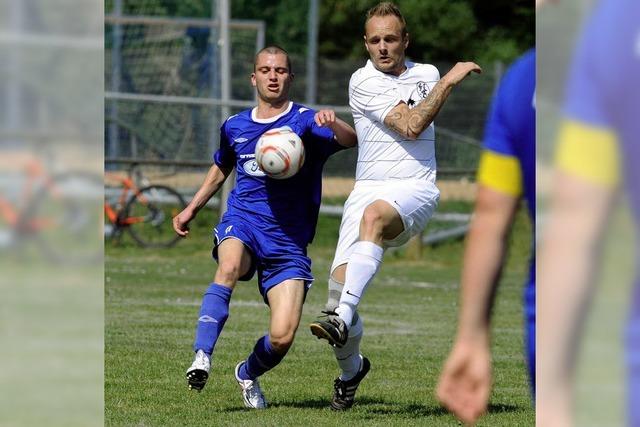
[
  {"x": 251, "y": 168},
  {"x": 241, "y": 139},
  {"x": 228, "y": 229}
]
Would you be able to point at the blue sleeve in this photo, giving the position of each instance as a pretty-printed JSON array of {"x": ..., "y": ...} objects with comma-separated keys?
[
  {"x": 322, "y": 138},
  {"x": 586, "y": 88},
  {"x": 225, "y": 157},
  {"x": 497, "y": 136},
  {"x": 511, "y": 118}
]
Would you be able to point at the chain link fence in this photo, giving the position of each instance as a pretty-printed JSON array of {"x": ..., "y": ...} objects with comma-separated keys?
[{"x": 162, "y": 85}]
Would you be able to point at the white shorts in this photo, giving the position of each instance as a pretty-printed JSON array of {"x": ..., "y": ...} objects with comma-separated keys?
[{"x": 415, "y": 201}]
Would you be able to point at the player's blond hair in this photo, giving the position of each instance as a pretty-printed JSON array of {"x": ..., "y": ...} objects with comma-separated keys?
[{"x": 387, "y": 8}]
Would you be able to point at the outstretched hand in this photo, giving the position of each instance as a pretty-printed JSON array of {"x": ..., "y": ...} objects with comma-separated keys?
[
  {"x": 465, "y": 382},
  {"x": 460, "y": 71}
]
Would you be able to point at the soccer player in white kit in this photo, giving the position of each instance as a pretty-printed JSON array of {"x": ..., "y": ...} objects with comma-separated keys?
[{"x": 394, "y": 102}]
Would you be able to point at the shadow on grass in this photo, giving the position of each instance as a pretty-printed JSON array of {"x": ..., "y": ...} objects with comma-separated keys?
[{"x": 368, "y": 407}]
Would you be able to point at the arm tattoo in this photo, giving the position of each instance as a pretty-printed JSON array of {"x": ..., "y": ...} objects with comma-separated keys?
[
  {"x": 413, "y": 122},
  {"x": 395, "y": 120},
  {"x": 424, "y": 113}
]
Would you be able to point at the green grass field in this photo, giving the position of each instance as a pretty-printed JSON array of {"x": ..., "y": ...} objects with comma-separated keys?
[{"x": 152, "y": 301}]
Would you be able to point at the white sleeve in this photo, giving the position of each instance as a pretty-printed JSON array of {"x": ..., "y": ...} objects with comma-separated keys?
[{"x": 373, "y": 97}]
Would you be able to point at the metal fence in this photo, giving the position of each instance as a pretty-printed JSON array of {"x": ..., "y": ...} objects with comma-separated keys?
[{"x": 163, "y": 93}]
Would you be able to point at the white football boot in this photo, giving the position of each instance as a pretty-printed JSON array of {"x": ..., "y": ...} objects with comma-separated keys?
[
  {"x": 251, "y": 392},
  {"x": 198, "y": 373}
]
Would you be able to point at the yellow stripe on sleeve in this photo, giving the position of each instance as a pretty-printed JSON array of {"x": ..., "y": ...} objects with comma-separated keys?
[
  {"x": 589, "y": 152},
  {"x": 501, "y": 173}
]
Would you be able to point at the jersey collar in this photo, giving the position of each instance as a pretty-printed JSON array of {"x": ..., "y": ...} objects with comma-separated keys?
[
  {"x": 271, "y": 119},
  {"x": 408, "y": 65}
]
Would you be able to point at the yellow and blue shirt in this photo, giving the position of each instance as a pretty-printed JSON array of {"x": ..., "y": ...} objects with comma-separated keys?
[{"x": 600, "y": 137}]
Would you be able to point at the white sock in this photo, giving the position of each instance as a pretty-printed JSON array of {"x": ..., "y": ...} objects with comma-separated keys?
[
  {"x": 362, "y": 266},
  {"x": 348, "y": 357}
]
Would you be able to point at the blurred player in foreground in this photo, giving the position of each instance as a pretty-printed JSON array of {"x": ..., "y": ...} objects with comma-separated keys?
[
  {"x": 505, "y": 175},
  {"x": 394, "y": 103},
  {"x": 598, "y": 153},
  {"x": 262, "y": 229}
]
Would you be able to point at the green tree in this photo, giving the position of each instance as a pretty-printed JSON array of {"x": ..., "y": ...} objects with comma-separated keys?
[{"x": 440, "y": 30}]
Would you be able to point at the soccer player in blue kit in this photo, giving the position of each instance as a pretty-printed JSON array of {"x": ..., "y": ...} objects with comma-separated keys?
[
  {"x": 505, "y": 175},
  {"x": 598, "y": 153},
  {"x": 268, "y": 224}
]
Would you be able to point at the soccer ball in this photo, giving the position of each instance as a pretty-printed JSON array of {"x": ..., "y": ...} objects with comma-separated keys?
[{"x": 280, "y": 153}]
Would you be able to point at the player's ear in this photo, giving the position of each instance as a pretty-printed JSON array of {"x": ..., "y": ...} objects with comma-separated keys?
[
  {"x": 406, "y": 40},
  {"x": 366, "y": 46},
  {"x": 291, "y": 76},
  {"x": 253, "y": 79}
]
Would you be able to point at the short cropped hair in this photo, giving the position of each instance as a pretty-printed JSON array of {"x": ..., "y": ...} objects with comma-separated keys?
[
  {"x": 387, "y": 8},
  {"x": 273, "y": 50}
]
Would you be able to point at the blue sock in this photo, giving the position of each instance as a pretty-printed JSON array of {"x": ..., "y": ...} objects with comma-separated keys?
[
  {"x": 213, "y": 313},
  {"x": 263, "y": 358}
]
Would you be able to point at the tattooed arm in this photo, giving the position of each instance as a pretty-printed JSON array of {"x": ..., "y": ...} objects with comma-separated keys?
[{"x": 412, "y": 122}]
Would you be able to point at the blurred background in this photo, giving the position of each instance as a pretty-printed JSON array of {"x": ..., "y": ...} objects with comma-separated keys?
[
  {"x": 599, "y": 390},
  {"x": 51, "y": 242},
  {"x": 174, "y": 71}
]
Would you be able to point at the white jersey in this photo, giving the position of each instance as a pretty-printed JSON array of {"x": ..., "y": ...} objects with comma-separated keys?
[{"x": 383, "y": 154}]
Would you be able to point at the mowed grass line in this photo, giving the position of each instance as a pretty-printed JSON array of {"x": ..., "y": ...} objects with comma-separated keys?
[{"x": 152, "y": 300}]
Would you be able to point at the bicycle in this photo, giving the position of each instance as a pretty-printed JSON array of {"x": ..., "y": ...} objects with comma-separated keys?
[
  {"x": 145, "y": 213},
  {"x": 60, "y": 211}
]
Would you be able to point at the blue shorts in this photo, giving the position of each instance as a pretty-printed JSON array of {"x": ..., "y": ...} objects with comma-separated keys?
[{"x": 274, "y": 255}]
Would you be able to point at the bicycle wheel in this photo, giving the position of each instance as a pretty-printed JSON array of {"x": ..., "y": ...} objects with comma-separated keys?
[
  {"x": 65, "y": 216},
  {"x": 149, "y": 213}
]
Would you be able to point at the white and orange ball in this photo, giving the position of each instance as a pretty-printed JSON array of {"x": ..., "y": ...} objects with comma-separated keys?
[{"x": 280, "y": 153}]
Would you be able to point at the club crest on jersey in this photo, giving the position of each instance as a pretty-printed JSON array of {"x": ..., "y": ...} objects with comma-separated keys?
[
  {"x": 251, "y": 168},
  {"x": 423, "y": 89}
]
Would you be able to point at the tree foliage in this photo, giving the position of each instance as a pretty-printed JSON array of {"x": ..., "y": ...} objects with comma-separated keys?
[{"x": 440, "y": 30}]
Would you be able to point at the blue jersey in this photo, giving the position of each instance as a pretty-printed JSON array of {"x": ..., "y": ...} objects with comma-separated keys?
[
  {"x": 509, "y": 156},
  {"x": 603, "y": 93},
  {"x": 510, "y": 130},
  {"x": 289, "y": 205}
]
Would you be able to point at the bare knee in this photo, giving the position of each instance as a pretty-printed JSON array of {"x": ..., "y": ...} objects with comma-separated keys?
[
  {"x": 281, "y": 342},
  {"x": 228, "y": 273},
  {"x": 372, "y": 224}
]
